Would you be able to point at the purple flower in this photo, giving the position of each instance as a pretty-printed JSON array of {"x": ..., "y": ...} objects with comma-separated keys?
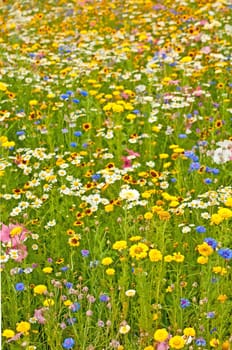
[
  {"x": 68, "y": 343},
  {"x": 184, "y": 303},
  {"x": 100, "y": 323},
  {"x": 71, "y": 320},
  {"x": 104, "y": 298},
  {"x": 85, "y": 252}
]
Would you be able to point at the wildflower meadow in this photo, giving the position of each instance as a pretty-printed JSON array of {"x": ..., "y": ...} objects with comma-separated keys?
[{"x": 116, "y": 174}]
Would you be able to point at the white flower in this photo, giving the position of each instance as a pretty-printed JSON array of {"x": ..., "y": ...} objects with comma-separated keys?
[
  {"x": 129, "y": 194},
  {"x": 124, "y": 329},
  {"x": 130, "y": 292}
]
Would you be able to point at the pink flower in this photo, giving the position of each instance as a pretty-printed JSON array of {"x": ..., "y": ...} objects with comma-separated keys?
[
  {"x": 14, "y": 234},
  {"x": 22, "y": 252},
  {"x": 126, "y": 162},
  {"x": 132, "y": 153},
  {"x": 205, "y": 49},
  {"x": 38, "y": 314},
  {"x": 162, "y": 346}
]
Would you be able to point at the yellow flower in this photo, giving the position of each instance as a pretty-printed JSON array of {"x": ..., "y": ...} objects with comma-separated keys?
[
  {"x": 150, "y": 347},
  {"x": 228, "y": 202},
  {"x": 16, "y": 231},
  {"x": 163, "y": 155},
  {"x": 148, "y": 216},
  {"x": 214, "y": 343},
  {"x": 107, "y": 261},
  {"x": 168, "y": 258},
  {"x": 47, "y": 269},
  {"x": 225, "y": 213},
  {"x": 3, "y": 86},
  {"x": 178, "y": 257},
  {"x": 48, "y": 302},
  {"x": 120, "y": 245},
  {"x": 138, "y": 251},
  {"x": 216, "y": 219},
  {"x": 135, "y": 238},
  {"x": 23, "y": 327},
  {"x": 177, "y": 342},
  {"x": 202, "y": 260},
  {"x": 219, "y": 270},
  {"x": 161, "y": 335},
  {"x": 40, "y": 289},
  {"x": 68, "y": 302},
  {"x": 226, "y": 345},
  {"x": 8, "y": 333},
  {"x": 33, "y": 102},
  {"x": 164, "y": 215},
  {"x": 110, "y": 272},
  {"x": 109, "y": 208},
  {"x": 155, "y": 255},
  {"x": 74, "y": 241},
  {"x": 189, "y": 332},
  {"x": 205, "y": 249},
  {"x": 186, "y": 59},
  {"x": 222, "y": 298}
]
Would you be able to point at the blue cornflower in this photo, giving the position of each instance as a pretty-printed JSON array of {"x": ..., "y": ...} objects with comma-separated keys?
[
  {"x": 182, "y": 136},
  {"x": 184, "y": 303},
  {"x": 77, "y": 133},
  {"x": 200, "y": 342},
  {"x": 64, "y": 97},
  {"x": 136, "y": 111},
  {"x": 73, "y": 144},
  {"x": 20, "y": 132},
  {"x": 225, "y": 253},
  {"x": 200, "y": 229},
  {"x": 104, "y": 298},
  {"x": 68, "y": 343},
  {"x": 75, "y": 307},
  {"x": 68, "y": 285},
  {"x": 213, "y": 330},
  {"x": 173, "y": 179},
  {"x": 207, "y": 181},
  {"x": 211, "y": 241},
  {"x": 19, "y": 287},
  {"x": 75, "y": 100},
  {"x": 215, "y": 171},
  {"x": 194, "y": 166},
  {"x": 96, "y": 177},
  {"x": 84, "y": 93},
  {"x": 64, "y": 268},
  {"x": 70, "y": 93},
  {"x": 210, "y": 314}
]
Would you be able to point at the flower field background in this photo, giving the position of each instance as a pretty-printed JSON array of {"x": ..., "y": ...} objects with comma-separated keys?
[{"x": 116, "y": 153}]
